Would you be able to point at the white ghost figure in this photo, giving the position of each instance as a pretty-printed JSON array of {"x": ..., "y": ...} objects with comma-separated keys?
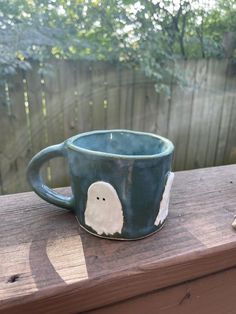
[
  {"x": 103, "y": 210},
  {"x": 164, "y": 205}
]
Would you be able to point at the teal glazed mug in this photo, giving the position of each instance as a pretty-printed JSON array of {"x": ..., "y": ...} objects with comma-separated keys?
[{"x": 120, "y": 181}]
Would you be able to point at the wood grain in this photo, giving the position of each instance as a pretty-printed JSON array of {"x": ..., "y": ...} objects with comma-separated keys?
[
  {"x": 113, "y": 97},
  {"x": 216, "y": 102},
  {"x": 180, "y": 99},
  {"x": 198, "y": 104},
  {"x": 37, "y": 117},
  {"x": 55, "y": 121},
  {"x": 98, "y": 95},
  {"x": 36, "y": 114},
  {"x": 68, "y": 97},
  {"x": 18, "y": 147},
  {"x": 185, "y": 101},
  {"x": 84, "y": 96},
  {"x": 229, "y": 103},
  {"x": 126, "y": 97},
  {"x": 230, "y": 147},
  {"x": 138, "y": 109},
  {"x": 210, "y": 294},
  {"x": 5, "y": 120},
  {"x": 48, "y": 264},
  {"x": 151, "y": 109}
]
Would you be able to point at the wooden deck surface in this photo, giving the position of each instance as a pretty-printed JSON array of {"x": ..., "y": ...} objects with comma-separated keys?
[{"x": 48, "y": 264}]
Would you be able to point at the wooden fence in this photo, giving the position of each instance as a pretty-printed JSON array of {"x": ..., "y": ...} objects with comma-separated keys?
[{"x": 37, "y": 111}]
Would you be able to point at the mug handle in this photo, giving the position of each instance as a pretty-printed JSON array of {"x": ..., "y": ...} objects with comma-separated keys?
[{"x": 35, "y": 179}]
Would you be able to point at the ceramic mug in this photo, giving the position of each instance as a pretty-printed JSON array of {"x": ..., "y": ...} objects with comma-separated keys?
[{"x": 120, "y": 181}]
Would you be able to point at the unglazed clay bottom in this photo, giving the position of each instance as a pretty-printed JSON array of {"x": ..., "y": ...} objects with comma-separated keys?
[{"x": 121, "y": 239}]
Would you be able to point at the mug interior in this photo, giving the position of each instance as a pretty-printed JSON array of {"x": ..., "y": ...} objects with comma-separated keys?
[{"x": 126, "y": 143}]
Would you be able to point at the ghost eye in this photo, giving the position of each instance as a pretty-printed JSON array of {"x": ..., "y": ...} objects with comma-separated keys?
[
  {"x": 97, "y": 198},
  {"x": 103, "y": 199}
]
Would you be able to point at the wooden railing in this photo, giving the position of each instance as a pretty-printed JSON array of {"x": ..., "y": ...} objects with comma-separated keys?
[
  {"x": 38, "y": 110},
  {"x": 51, "y": 265}
]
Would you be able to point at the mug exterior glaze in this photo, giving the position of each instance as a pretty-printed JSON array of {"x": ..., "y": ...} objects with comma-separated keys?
[{"x": 120, "y": 181}]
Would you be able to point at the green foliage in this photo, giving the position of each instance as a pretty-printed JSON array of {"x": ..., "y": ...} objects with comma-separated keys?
[{"x": 149, "y": 34}]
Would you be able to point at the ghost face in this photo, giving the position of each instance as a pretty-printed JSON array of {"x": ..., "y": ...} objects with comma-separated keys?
[{"x": 103, "y": 211}]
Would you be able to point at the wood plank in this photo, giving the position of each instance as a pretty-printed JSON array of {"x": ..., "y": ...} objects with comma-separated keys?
[
  {"x": 84, "y": 95},
  {"x": 55, "y": 124},
  {"x": 8, "y": 184},
  {"x": 210, "y": 294},
  {"x": 197, "y": 116},
  {"x": 75, "y": 112},
  {"x": 66, "y": 69},
  {"x": 6, "y": 135},
  {"x": 216, "y": 103},
  {"x": 18, "y": 149},
  {"x": 230, "y": 139},
  {"x": 67, "y": 90},
  {"x": 138, "y": 112},
  {"x": 37, "y": 118},
  {"x": 4, "y": 117},
  {"x": 180, "y": 112},
  {"x": 151, "y": 109},
  {"x": 113, "y": 97},
  {"x": 78, "y": 297},
  {"x": 98, "y": 95},
  {"x": 201, "y": 119},
  {"x": 126, "y": 97},
  {"x": 164, "y": 108},
  {"x": 226, "y": 118},
  {"x": 62, "y": 269},
  {"x": 36, "y": 113},
  {"x": 176, "y": 114}
]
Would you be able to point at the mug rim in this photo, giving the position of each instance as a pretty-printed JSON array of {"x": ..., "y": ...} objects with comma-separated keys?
[{"x": 167, "y": 151}]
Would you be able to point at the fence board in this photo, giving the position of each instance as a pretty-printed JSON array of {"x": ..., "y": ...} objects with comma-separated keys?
[
  {"x": 6, "y": 135},
  {"x": 163, "y": 116},
  {"x": 55, "y": 124},
  {"x": 68, "y": 98},
  {"x": 76, "y": 112},
  {"x": 232, "y": 136},
  {"x": 126, "y": 97},
  {"x": 67, "y": 72},
  {"x": 218, "y": 81},
  {"x": 227, "y": 105},
  {"x": 37, "y": 117},
  {"x": 113, "y": 97},
  {"x": 203, "y": 123},
  {"x": 84, "y": 96},
  {"x": 138, "y": 112},
  {"x": 151, "y": 109},
  {"x": 178, "y": 113},
  {"x": 18, "y": 148},
  {"x": 98, "y": 95},
  {"x": 196, "y": 117},
  {"x": 184, "y": 122},
  {"x": 230, "y": 139}
]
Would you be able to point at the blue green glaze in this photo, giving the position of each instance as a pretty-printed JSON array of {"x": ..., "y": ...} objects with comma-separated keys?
[{"x": 136, "y": 164}]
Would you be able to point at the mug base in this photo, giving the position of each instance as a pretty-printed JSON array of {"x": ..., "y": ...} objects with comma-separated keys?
[{"x": 121, "y": 239}]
